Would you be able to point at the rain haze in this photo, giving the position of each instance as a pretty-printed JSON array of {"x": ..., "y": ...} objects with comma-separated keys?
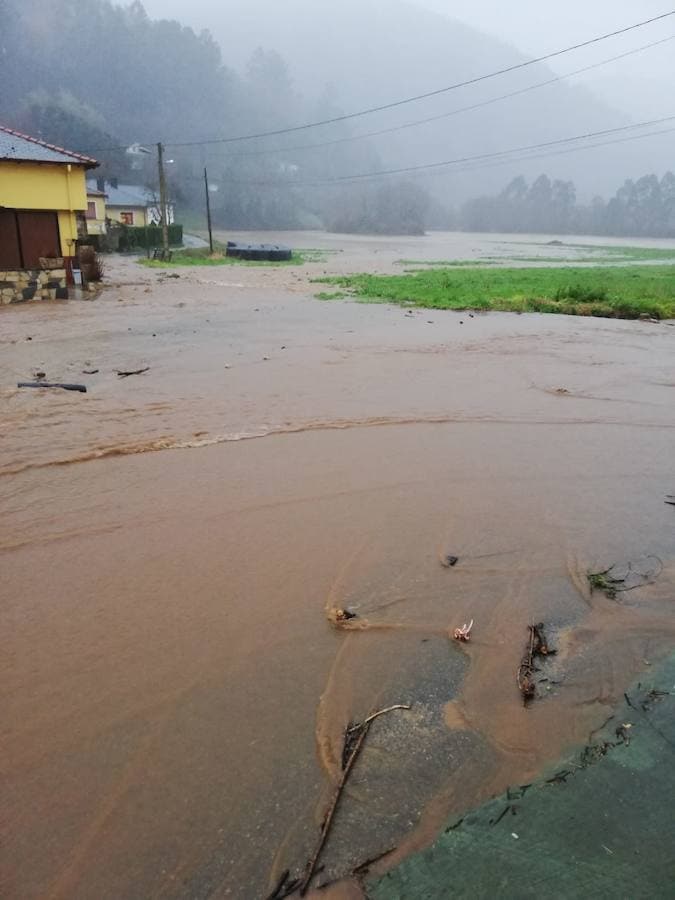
[{"x": 337, "y": 349}]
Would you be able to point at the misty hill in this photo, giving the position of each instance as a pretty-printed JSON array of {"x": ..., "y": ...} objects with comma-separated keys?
[
  {"x": 373, "y": 51},
  {"x": 90, "y": 75},
  {"x": 120, "y": 73}
]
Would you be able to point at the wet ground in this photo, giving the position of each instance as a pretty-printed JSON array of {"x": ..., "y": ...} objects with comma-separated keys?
[
  {"x": 173, "y": 543},
  {"x": 595, "y": 823}
]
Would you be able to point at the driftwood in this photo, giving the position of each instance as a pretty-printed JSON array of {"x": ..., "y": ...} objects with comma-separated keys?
[
  {"x": 355, "y": 737},
  {"x": 52, "y": 384},
  {"x": 125, "y": 374},
  {"x": 537, "y": 646}
]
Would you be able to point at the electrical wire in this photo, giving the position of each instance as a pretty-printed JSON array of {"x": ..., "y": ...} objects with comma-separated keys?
[
  {"x": 450, "y": 113},
  {"x": 426, "y": 167},
  {"x": 397, "y": 103}
]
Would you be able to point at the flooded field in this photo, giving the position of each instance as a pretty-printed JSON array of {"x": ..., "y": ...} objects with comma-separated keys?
[{"x": 174, "y": 543}]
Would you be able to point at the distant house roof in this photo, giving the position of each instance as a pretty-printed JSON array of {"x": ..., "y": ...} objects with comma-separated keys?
[
  {"x": 20, "y": 147},
  {"x": 123, "y": 194}
]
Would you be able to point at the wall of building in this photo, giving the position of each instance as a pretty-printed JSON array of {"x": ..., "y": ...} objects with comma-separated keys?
[
  {"x": 115, "y": 213},
  {"x": 96, "y": 225},
  {"x": 33, "y": 284},
  {"x": 46, "y": 186}
]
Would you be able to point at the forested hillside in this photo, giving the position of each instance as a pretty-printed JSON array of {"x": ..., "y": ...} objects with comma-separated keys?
[
  {"x": 91, "y": 75},
  {"x": 99, "y": 77}
]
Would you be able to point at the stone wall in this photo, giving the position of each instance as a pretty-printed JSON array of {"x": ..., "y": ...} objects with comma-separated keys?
[{"x": 32, "y": 284}]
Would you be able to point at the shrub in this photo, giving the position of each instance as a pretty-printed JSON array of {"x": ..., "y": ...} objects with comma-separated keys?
[
  {"x": 91, "y": 263},
  {"x": 148, "y": 237}
]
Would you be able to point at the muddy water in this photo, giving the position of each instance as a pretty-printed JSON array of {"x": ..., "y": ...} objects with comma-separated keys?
[{"x": 174, "y": 698}]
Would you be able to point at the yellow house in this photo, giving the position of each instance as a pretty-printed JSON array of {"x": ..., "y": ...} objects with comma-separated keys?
[
  {"x": 127, "y": 204},
  {"x": 43, "y": 201},
  {"x": 96, "y": 211}
]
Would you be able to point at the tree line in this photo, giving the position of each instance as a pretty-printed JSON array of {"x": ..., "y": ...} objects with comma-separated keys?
[{"x": 642, "y": 208}]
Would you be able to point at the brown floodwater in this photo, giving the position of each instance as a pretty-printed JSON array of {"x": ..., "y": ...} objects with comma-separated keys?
[{"x": 174, "y": 697}]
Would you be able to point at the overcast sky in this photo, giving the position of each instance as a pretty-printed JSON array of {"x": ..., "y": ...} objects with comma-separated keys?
[
  {"x": 533, "y": 23},
  {"x": 540, "y": 26}
]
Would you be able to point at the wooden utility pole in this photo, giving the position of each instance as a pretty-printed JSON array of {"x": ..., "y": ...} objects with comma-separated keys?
[
  {"x": 208, "y": 209},
  {"x": 163, "y": 203}
]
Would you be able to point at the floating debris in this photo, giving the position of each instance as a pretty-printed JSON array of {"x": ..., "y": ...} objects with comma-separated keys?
[
  {"x": 463, "y": 633},
  {"x": 537, "y": 646},
  {"x": 605, "y": 582},
  {"x": 126, "y": 373},
  {"x": 81, "y": 388},
  {"x": 337, "y": 616},
  {"x": 611, "y": 582}
]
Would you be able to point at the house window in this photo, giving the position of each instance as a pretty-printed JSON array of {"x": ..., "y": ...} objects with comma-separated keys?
[
  {"x": 127, "y": 218},
  {"x": 91, "y": 210}
]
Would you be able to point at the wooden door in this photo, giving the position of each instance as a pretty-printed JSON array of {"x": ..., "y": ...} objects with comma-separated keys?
[
  {"x": 10, "y": 252},
  {"x": 38, "y": 236}
]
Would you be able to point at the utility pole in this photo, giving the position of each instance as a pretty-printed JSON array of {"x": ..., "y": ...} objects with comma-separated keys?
[
  {"x": 163, "y": 199},
  {"x": 208, "y": 209}
]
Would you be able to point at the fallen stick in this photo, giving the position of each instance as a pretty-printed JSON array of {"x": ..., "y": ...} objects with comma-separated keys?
[
  {"x": 364, "y": 866},
  {"x": 524, "y": 674},
  {"x": 376, "y": 715},
  {"x": 125, "y": 374},
  {"x": 346, "y": 771},
  {"x": 328, "y": 821},
  {"x": 49, "y": 384},
  {"x": 284, "y": 887},
  {"x": 538, "y": 646}
]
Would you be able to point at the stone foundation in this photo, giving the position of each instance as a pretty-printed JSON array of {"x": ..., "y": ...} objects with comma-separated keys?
[{"x": 21, "y": 285}]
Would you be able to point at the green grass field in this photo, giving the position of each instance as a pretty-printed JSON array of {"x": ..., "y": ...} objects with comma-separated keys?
[{"x": 621, "y": 292}]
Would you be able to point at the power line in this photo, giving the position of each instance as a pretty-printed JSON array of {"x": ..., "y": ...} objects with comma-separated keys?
[
  {"x": 428, "y": 94},
  {"x": 397, "y": 103},
  {"x": 504, "y": 161},
  {"x": 535, "y": 156},
  {"x": 453, "y": 112},
  {"x": 427, "y": 167}
]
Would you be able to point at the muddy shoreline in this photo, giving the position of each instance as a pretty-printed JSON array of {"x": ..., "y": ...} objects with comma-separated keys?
[{"x": 174, "y": 696}]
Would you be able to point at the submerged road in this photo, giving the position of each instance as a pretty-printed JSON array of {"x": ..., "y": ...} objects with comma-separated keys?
[{"x": 173, "y": 545}]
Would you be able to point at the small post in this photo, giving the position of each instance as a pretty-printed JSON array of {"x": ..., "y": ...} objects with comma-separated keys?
[
  {"x": 208, "y": 209},
  {"x": 162, "y": 199}
]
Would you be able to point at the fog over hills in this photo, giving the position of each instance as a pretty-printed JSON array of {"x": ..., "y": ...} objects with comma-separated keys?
[
  {"x": 214, "y": 73},
  {"x": 369, "y": 52}
]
